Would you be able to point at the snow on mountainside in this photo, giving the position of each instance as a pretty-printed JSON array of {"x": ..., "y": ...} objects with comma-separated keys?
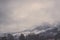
[
  {"x": 42, "y": 29},
  {"x": 38, "y": 29},
  {"x": 47, "y": 32}
]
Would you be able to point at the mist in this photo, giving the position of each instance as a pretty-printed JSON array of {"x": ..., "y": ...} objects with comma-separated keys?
[{"x": 19, "y": 15}]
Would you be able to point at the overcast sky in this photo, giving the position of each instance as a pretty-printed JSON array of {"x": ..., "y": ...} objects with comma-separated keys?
[{"x": 18, "y": 15}]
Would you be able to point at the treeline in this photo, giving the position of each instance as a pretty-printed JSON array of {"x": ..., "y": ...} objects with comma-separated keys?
[
  {"x": 31, "y": 37},
  {"x": 39, "y": 37}
]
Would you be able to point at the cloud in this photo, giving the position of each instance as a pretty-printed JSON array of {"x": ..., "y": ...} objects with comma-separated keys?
[
  {"x": 18, "y": 15},
  {"x": 55, "y": 11}
]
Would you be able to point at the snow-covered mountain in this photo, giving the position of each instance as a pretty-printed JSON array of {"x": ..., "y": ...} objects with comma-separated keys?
[
  {"x": 41, "y": 30},
  {"x": 38, "y": 29}
]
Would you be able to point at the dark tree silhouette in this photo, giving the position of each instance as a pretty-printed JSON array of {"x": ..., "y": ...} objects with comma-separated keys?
[
  {"x": 57, "y": 36},
  {"x": 10, "y": 37},
  {"x": 4, "y": 38},
  {"x": 22, "y": 37},
  {"x": 32, "y": 37}
]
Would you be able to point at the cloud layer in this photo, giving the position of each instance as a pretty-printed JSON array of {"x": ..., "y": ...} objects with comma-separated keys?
[{"x": 18, "y": 15}]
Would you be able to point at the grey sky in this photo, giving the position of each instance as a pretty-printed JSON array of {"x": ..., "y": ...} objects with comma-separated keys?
[{"x": 18, "y": 15}]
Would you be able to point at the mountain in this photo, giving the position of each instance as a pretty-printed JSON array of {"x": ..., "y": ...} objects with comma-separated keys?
[
  {"x": 44, "y": 29},
  {"x": 37, "y": 28}
]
